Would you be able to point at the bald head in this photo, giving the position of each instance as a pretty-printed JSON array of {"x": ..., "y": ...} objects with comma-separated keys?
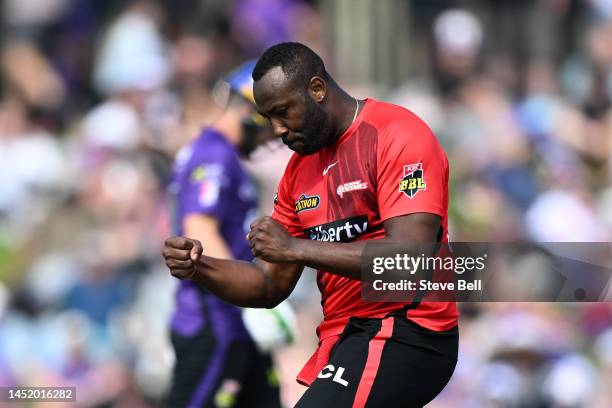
[
  {"x": 298, "y": 62},
  {"x": 275, "y": 80},
  {"x": 303, "y": 103}
]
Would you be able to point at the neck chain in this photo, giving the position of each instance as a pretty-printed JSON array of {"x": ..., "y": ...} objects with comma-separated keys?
[{"x": 356, "y": 110}]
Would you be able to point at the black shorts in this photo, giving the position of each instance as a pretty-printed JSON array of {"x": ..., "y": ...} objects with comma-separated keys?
[
  {"x": 384, "y": 363},
  {"x": 212, "y": 373}
]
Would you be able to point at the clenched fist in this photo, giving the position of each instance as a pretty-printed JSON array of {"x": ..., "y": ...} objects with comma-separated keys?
[
  {"x": 182, "y": 256},
  {"x": 271, "y": 242}
]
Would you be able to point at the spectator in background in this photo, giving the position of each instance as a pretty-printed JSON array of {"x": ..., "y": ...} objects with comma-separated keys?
[
  {"x": 586, "y": 78},
  {"x": 259, "y": 24},
  {"x": 196, "y": 59},
  {"x": 456, "y": 48},
  {"x": 131, "y": 68},
  {"x": 458, "y": 38}
]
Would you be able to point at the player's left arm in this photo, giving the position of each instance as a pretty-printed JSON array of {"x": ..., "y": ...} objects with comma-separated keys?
[
  {"x": 410, "y": 217},
  {"x": 271, "y": 242}
]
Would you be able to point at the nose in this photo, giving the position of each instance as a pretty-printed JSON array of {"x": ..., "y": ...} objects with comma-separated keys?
[{"x": 278, "y": 128}]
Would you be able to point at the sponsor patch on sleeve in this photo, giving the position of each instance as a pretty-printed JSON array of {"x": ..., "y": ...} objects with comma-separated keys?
[
  {"x": 306, "y": 202},
  {"x": 413, "y": 180}
]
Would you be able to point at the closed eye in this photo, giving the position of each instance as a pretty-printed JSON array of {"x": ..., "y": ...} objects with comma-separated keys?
[{"x": 280, "y": 111}]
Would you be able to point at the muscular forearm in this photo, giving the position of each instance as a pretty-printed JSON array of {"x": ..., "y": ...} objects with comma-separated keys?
[
  {"x": 345, "y": 258},
  {"x": 247, "y": 284},
  {"x": 256, "y": 284},
  {"x": 339, "y": 258},
  {"x": 238, "y": 282}
]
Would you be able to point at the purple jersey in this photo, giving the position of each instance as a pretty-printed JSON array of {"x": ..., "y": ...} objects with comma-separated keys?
[{"x": 209, "y": 179}]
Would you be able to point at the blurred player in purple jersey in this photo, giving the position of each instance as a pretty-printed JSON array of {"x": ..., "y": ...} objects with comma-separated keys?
[{"x": 214, "y": 200}]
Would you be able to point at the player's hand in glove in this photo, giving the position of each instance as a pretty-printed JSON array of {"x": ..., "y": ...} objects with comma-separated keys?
[{"x": 182, "y": 256}]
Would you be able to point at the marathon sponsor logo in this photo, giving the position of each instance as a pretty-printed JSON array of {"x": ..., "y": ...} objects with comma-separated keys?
[
  {"x": 413, "y": 180},
  {"x": 307, "y": 203},
  {"x": 352, "y": 186},
  {"x": 344, "y": 230}
]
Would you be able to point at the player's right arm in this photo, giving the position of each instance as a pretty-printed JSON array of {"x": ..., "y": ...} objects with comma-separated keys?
[{"x": 247, "y": 284}]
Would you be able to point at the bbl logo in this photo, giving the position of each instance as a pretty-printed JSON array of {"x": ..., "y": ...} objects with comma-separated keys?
[
  {"x": 307, "y": 203},
  {"x": 413, "y": 180}
]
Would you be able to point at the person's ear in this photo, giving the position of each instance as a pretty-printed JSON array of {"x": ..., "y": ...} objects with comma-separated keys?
[{"x": 317, "y": 89}]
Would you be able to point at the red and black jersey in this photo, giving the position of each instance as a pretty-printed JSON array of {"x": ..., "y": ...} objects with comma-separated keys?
[{"x": 387, "y": 163}]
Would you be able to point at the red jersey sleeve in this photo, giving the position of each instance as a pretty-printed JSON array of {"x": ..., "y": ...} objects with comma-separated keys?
[
  {"x": 284, "y": 208},
  {"x": 412, "y": 168}
]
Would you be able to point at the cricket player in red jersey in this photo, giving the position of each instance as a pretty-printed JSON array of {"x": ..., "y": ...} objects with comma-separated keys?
[{"x": 362, "y": 170}]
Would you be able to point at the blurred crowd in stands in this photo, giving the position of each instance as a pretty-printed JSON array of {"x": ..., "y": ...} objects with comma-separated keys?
[{"x": 96, "y": 98}]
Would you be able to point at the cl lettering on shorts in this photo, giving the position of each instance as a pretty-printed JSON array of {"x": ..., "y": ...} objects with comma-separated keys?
[
  {"x": 413, "y": 180},
  {"x": 307, "y": 203},
  {"x": 329, "y": 370}
]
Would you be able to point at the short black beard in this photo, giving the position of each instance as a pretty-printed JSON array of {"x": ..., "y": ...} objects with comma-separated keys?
[{"x": 317, "y": 131}]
